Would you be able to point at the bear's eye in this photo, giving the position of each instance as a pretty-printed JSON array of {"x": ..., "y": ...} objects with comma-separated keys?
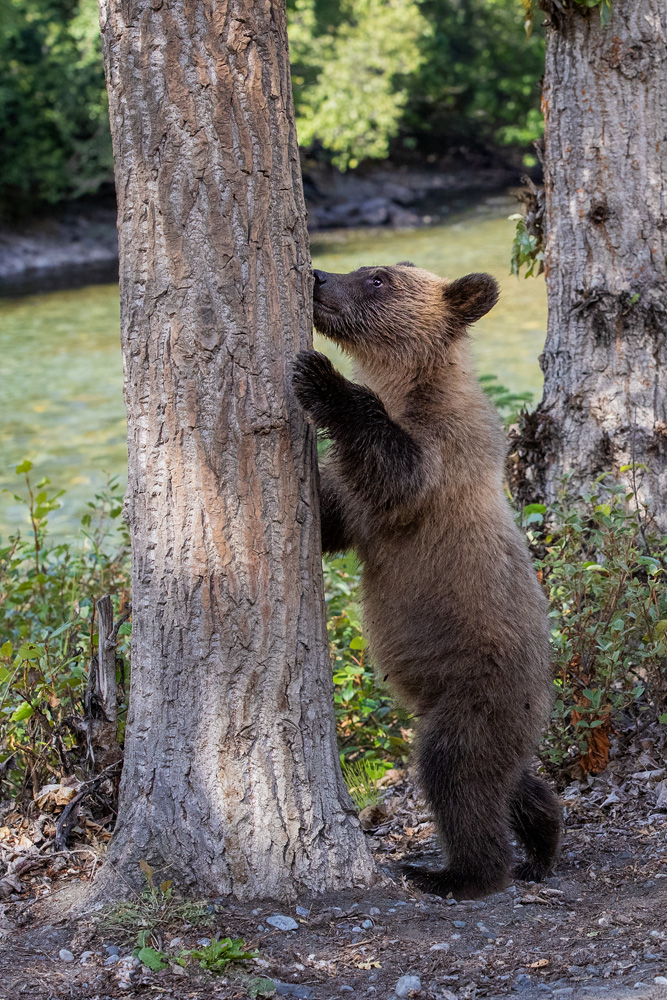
[{"x": 377, "y": 282}]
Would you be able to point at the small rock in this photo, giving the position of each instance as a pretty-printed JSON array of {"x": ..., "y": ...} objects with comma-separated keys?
[
  {"x": 85, "y": 955},
  {"x": 399, "y": 193},
  {"x": 375, "y": 211},
  {"x": 282, "y": 923},
  {"x": 459, "y": 923},
  {"x": 403, "y": 219},
  {"x": 367, "y": 924},
  {"x": 112, "y": 959},
  {"x": 346, "y": 989},
  {"x": 440, "y": 946},
  {"x": 292, "y": 990},
  {"x": 203, "y": 942},
  {"x": 112, "y": 949},
  {"x": 65, "y": 956},
  {"x": 302, "y": 911},
  {"x": 374, "y": 912},
  {"x": 126, "y": 966},
  {"x": 660, "y": 980},
  {"x": 485, "y": 931},
  {"x": 661, "y": 789},
  {"x": 407, "y": 985},
  {"x": 356, "y": 930},
  {"x": 176, "y": 944}
]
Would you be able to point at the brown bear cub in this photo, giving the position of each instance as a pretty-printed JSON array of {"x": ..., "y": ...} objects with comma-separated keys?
[{"x": 454, "y": 613}]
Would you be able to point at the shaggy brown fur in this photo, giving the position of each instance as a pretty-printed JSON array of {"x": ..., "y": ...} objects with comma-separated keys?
[{"x": 452, "y": 607}]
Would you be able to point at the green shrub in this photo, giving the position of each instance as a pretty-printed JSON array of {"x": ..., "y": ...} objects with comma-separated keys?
[
  {"x": 48, "y": 631},
  {"x": 603, "y": 568},
  {"x": 370, "y": 725},
  {"x": 600, "y": 561}
]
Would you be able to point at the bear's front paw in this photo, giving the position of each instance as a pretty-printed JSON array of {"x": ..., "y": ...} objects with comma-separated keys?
[{"x": 317, "y": 385}]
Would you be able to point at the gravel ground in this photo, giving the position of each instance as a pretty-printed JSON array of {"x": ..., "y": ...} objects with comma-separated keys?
[{"x": 597, "y": 928}]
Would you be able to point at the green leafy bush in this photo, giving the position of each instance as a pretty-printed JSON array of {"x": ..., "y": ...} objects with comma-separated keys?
[
  {"x": 370, "y": 725},
  {"x": 600, "y": 561},
  {"x": 603, "y": 568},
  {"x": 48, "y": 632}
]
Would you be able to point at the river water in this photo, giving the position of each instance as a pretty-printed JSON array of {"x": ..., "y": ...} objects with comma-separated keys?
[{"x": 61, "y": 401}]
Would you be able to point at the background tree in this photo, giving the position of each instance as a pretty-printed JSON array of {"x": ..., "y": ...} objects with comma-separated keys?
[
  {"x": 605, "y": 391},
  {"x": 372, "y": 78},
  {"x": 54, "y": 124},
  {"x": 231, "y": 775}
]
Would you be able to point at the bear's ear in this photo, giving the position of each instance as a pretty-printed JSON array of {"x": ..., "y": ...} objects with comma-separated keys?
[
  {"x": 471, "y": 297},
  {"x": 405, "y": 263}
]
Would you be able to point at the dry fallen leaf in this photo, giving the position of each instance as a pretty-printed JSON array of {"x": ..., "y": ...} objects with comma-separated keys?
[{"x": 539, "y": 964}]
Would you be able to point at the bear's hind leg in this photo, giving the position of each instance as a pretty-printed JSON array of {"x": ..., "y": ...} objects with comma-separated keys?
[
  {"x": 469, "y": 798},
  {"x": 536, "y": 819}
]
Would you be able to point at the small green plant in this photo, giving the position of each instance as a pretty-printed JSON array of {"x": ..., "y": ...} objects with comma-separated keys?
[
  {"x": 527, "y": 249},
  {"x": 507, "y": 403},
  {"x": 362, "y": 777},
  {"x": 217, "y": 955},
  {"x": 261, "y": 988},
  {"x": 152, "y": 958},
  {"x": 156, "y": 908}
]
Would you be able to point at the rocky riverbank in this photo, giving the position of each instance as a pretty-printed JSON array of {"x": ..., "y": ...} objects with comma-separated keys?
[{"x": 79, "y": 245}]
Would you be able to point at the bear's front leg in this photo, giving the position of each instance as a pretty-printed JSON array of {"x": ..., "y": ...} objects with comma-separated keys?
[{"x": 377, "y": 458}]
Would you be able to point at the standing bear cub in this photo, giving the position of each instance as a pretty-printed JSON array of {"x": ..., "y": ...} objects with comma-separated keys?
[{"x": 454, "y": 613}]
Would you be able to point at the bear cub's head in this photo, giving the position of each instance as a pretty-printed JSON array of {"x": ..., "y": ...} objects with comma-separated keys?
[{"x": 399, "y": 311}]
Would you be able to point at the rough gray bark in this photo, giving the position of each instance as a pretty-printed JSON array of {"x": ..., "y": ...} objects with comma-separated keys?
[
  {"x": 231, "y": 775},
  {"x": 605, "y": 358}
]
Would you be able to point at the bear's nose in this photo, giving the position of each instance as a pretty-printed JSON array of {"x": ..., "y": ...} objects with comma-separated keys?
[{"x": 320, "y": 278}]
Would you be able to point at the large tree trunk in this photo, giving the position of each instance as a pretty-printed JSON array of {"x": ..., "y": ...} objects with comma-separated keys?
[
  {"x": 605, "y": 359},
  {"x": 231, "y": 776}
]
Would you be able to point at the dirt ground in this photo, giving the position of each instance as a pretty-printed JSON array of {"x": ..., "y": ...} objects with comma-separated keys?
[{"x": 597, "y": 928}]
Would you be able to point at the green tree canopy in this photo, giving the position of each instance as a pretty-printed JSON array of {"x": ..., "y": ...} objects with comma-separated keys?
[
  {"x": 54, "y": 124},
  {"x": 371, "y": 77}
]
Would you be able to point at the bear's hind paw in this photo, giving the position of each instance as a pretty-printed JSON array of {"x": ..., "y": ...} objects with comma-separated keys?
[
  {"x": 531, "y": 871},
  {"x": 446, "y": 882}
]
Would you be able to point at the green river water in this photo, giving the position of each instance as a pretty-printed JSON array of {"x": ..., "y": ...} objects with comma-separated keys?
[{"x": 61, "y": 401}]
